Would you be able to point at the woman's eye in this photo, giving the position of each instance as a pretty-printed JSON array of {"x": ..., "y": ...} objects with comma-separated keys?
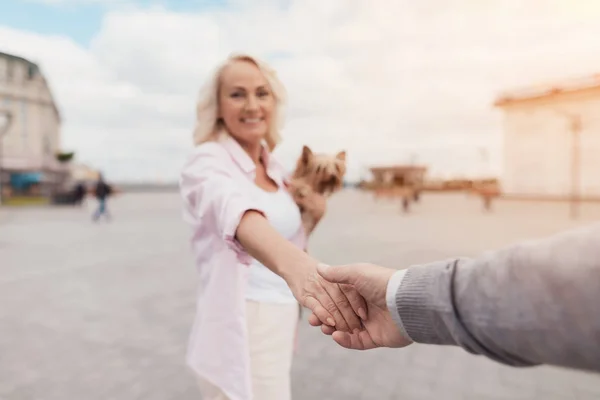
[
  {"x": 263, "y": 94},
  {"x": 237, "y": 94}
]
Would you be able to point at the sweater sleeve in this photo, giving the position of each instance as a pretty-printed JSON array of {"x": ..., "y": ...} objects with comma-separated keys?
[{"x": 528, "y": 304}]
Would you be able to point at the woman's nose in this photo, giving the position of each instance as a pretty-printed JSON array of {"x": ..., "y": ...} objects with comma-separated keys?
[{"x": 252, "y": 103}]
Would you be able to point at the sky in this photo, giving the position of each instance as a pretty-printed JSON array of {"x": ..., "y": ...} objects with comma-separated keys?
[{"x": 388, "y": 81}]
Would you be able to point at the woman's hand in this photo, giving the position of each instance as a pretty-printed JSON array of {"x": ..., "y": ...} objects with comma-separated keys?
[
  {"x": 312, "y": 205},
  {"x": 339, "y": 306}
]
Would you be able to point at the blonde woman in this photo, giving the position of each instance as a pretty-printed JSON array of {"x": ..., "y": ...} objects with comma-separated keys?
[{"x": 249, "y": 242}]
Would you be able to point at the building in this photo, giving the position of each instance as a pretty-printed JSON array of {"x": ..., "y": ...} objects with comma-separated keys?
[
  {"x": 28, "y": 149},
  {"x": 552, "y": 140}
]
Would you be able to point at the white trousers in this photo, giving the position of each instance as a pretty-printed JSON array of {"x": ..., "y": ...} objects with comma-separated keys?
[{"x": 271, "y": 337}]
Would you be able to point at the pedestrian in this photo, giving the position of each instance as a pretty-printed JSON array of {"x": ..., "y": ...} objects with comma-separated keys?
[
  {"x": 79, "y": 192},
  {"x": 102, "y": 192}
]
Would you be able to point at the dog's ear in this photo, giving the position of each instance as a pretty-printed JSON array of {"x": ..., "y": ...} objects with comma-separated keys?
[
  {"x": 307, "y": 154},
  {"x": 341, "y": 155}
]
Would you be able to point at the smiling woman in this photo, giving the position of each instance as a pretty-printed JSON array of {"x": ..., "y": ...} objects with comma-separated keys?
[{"x": 249, "y": 242}]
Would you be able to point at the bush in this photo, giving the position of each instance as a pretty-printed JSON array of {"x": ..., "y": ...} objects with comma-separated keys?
[{"x": 65, "y": 157}]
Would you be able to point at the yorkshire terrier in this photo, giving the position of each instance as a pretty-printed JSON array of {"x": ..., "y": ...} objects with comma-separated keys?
[{"x": 320, "y": 173}]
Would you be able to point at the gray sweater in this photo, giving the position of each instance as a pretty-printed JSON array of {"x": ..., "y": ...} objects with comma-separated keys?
[{"x": 536, "y": 302}]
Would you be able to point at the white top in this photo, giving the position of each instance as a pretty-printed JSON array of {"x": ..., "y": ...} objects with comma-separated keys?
[{"x": 283, "y": 214}]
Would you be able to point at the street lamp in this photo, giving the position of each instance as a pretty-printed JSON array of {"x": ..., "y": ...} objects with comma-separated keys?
[{"x": 5, "y": 122}]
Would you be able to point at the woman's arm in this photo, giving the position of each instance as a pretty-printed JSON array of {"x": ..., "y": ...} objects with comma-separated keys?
[
  {"x": 214, "y": 200},
  {"x": 331, "y": 304}
]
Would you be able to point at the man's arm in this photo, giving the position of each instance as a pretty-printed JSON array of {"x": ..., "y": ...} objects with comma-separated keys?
[{"x": 537, "y": 302}]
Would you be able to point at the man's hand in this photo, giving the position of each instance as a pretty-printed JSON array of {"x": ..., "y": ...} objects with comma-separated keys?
[{"x": 379, "y": 329}]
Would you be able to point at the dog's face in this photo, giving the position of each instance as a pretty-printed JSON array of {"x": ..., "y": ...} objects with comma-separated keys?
[{"x": 325, "y": 173}]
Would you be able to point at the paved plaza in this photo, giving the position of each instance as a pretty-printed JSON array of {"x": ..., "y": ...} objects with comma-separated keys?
[{"x": 103, "y": 311}]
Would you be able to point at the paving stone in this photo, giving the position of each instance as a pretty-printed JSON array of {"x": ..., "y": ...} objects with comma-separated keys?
[{"x": 103, "y": 311}]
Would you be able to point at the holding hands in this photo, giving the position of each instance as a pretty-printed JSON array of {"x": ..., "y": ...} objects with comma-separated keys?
[
  {"x": 337, "y": 307},
  {"x": 370, "y": 282}
]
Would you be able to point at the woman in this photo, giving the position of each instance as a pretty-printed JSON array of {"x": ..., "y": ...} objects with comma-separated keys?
[{"x": 249, "y": 242}]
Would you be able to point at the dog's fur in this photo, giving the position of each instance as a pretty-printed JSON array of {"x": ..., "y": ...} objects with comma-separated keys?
[{"x": 320, "y": 173}]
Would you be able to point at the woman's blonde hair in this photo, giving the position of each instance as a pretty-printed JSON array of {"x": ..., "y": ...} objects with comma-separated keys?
[{"x": 208, "y": 124}]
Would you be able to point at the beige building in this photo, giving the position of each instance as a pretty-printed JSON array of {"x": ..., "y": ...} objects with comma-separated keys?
[
  {"x": 28, "y": 148},
  {"x": 552, "y": 140}
]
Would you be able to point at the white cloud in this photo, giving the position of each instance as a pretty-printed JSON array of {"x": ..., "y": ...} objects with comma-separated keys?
[{"x": 381, "y": 82}]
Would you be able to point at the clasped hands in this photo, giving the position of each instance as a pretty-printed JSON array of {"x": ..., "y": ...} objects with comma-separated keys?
[{"x": 349, "y": 303}]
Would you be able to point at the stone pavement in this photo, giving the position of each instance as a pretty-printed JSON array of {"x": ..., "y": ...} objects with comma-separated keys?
[{"x": 103, "y": 311}]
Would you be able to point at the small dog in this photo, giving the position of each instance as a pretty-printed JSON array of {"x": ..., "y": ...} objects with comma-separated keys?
[{"x": 320, "y": 173}]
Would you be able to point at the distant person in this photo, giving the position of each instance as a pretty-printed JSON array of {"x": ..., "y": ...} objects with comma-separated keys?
[
  {"x": 405, "y": 203},
  {"x": 79, "y": 193},
  {"x": 531, "y": 303},
  {"x": 102, "y": 191},
  {"x": 487, "y": 202},
  {"x": 249, "y": 242}
]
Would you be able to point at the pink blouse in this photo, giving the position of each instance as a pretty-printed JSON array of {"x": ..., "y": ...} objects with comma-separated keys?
[{"x": 217, "y": 187}]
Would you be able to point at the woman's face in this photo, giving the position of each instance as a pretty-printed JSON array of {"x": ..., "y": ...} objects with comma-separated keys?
[{"x": 245, "y": 102}]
